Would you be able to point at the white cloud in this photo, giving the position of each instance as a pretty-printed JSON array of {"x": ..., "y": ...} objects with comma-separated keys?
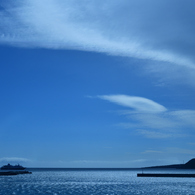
[
  {"x": 161, "y": 133},
  {"x": 176, "y": 150},
  {"x": 184, "y": 116},
  {"x": 128, "y": 162},
  {"x": 152, "y": 151},
  {"x": 14, "y": 160},
  {"x": 154, "y": 134},
  {"x": 137, "y": 103},
  {"x": 169, "y": 124},
  {"x": 155, "y": 121},
  {"x": 152, "y": 120},
  {"x": 137, "y": 29}
]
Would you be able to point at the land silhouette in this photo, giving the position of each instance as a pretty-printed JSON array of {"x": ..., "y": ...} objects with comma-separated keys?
[{"x": 189, "y": 165}]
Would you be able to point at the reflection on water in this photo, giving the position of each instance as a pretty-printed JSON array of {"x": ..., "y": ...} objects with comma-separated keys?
[{"x": 95, "y": 182}]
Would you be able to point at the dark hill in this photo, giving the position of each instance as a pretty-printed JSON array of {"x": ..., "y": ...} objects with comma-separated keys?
[{"x": 189, "y": 165}]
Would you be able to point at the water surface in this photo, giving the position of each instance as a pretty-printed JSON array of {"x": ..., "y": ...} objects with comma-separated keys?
[{"x": 92, "y": 182}]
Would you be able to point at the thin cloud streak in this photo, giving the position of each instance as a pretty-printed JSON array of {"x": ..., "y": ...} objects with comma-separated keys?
[
  {"x": 98, "y": 27},
  {"x": 138, "y": 103},
  {"x": 108, "y": 162},
  {"x": 168, "y": 124},
  {"x": 152, "y": 120},
  {"x": 14, "y": 160}
]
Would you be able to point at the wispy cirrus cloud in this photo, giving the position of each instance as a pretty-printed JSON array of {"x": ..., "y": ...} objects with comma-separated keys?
[
  {"x": 14, "y": 160},
  {"x": 152, "y": 120},
  {"x": 127, "y": 163},
  {"x": 169, "y": 124},
  {"x": 137, "y": 103},
  {"x": 152, "y": 151},
  {"x": 160, "y": 31},
  {"x": 171, "y": 150}
]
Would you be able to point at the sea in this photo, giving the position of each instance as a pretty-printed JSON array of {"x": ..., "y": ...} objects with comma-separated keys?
[{"x": 96, "y": 182}]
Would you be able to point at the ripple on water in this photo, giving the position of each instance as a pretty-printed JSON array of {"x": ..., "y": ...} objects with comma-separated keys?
[{"x": 93, "y": 182}]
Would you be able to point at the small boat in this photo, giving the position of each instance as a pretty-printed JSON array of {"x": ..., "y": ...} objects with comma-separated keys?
[{"x": 12, "y": 167}]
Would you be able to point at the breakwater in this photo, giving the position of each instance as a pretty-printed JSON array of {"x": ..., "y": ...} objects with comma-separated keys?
[
  {"x": 164, "y": 175},
  {"x": 7, "y": 173}
]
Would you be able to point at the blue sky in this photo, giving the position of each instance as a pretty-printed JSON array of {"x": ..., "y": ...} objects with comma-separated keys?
[{"x": 97, "y": 83}]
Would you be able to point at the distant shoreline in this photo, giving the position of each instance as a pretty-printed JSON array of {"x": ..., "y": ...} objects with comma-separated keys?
[{"x": 189, "y": 165}]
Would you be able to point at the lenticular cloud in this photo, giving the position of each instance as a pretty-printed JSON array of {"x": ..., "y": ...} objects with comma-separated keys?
[{"x": 138, "y": 103}]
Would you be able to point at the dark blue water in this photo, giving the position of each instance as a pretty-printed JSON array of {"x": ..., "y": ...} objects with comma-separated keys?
[{"x": 92, "y": 182}]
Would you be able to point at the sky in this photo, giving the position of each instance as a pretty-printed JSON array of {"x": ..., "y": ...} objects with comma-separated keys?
[{"x": 102, "y": 83}]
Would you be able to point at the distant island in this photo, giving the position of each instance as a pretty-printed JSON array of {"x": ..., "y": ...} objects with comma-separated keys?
[
  {"x": 8, "y": 170},
  {"x": 12, "y": 167},
  {"x": 189, "y": 165}
]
